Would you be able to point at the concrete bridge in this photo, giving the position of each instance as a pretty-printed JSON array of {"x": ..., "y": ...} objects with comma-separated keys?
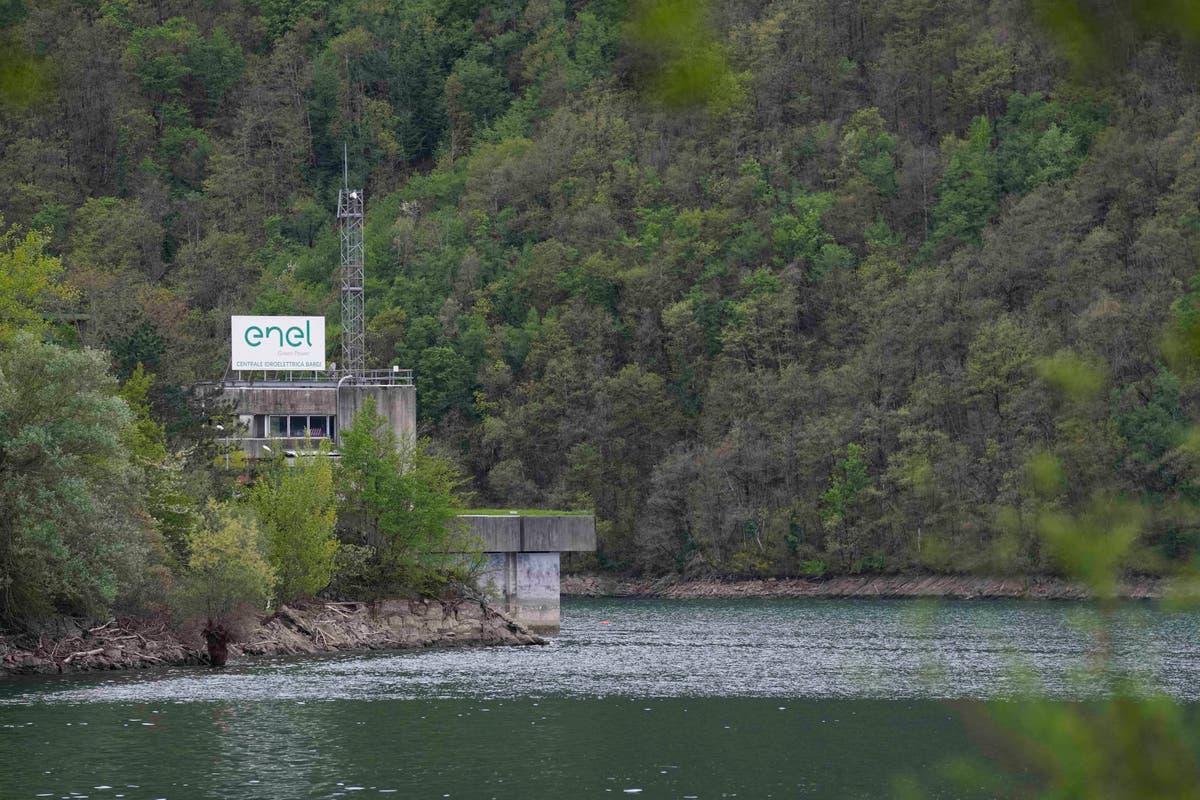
[{"x": 523, "y": 553}]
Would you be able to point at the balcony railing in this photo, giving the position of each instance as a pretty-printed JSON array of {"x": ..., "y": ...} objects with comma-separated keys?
[{"x": 331, "y": 377}]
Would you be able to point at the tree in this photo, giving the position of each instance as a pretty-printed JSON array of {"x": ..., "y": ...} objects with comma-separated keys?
[
  {"x": 227, "y": 567},
  {"x": 399, "y": 500},
  {"x": 849, "y": 486},
  {"x": 867, "y": 149},
  {"x": 297, "y": 513},
  {"x": 73, "y": 535},
  {"x": 969, "y": 190},
  {"x": 29, "y": 281},
  {"x": 175, "y": 512}
]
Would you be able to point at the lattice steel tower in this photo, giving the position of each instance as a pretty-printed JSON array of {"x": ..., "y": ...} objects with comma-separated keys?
[{"x": 350, "y": 222}]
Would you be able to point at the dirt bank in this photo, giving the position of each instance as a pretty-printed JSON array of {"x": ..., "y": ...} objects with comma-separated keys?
[
  {"x": 315, "y": 628},
  {"x": 947, "y": 586}
]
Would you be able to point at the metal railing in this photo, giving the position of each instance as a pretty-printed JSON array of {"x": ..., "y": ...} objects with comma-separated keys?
[{"x": 393, "y": 376}]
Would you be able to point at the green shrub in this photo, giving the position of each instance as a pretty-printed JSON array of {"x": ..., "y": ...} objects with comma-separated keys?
[
  {"x": 813, "y": 568},
  {"x": 226, "y": 567}
]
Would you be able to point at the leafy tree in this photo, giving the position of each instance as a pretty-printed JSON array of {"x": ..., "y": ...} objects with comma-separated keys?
[
  {"x": 444, "y": 381},
  {"x": 475, "y": 94},
  {"x": 165, "y": 57},
  {"x": 176, "y": 514},
  {"x": 226, "y": 566},
  {"x": 849, "y": 486},
  {"x": 280, "y": 16},
  {"x": 29, "y": 281},
  {"x": 399, "y": 500},
  {"x": 798, "y": 233},
  {"x": 296, "y": 510},
  {"x": 73, "y": 535},
  {"x": 1040, "y": 141},
  {"x": 869, "y": 150},
  {"x": 968, "y": 192}
]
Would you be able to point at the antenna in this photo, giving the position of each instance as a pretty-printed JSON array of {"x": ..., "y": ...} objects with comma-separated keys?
[{"x": 350, "y": 222}]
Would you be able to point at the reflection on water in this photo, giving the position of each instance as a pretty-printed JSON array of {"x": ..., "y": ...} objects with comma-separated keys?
[{"x": 675, "y": 699}]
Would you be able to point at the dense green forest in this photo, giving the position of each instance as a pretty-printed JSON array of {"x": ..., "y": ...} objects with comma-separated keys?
[{"x": 786, "y": 287}]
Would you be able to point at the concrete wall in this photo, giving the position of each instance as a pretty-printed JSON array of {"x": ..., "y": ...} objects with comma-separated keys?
[
  {"x": 397, "y": 403},
  {"x": 280, "y": 401},
  {"x": 496, "y": 534},
  {"x": 561, "y": 534},
  {"x": 526, "y": 586},
  {"x": 550, "y": 534}
]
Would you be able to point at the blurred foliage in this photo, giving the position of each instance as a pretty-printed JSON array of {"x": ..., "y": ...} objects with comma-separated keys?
[
  {"x": 1130, "y": 747},
  {"x": 1122, "y": 741},
  {"x": 688, "y": 64},
  {"x": 1101, "y": 33}
]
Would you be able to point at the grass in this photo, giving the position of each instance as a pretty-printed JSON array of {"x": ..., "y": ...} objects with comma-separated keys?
[{"x": 523, "y": 512}]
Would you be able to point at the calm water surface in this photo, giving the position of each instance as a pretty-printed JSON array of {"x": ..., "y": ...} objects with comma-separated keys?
[{"x": 663, "y": 699}]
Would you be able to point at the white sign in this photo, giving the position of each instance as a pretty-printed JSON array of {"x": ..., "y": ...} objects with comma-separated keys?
[{"x": 278, "y": 343}]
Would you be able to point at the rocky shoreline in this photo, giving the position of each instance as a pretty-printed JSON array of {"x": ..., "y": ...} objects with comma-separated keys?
[
  {"x": 315, "y": 628},
  {"x": 883, "y": 586}
]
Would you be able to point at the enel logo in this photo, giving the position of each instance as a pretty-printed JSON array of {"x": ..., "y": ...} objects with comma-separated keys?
[{"x": 293, "y": 336}]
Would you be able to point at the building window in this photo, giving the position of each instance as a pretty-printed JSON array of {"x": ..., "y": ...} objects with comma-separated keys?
[{"x": 297, "y": 426}]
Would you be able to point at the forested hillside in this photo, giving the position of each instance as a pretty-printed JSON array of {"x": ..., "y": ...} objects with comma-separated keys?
[{"x": 775, "y": 287}]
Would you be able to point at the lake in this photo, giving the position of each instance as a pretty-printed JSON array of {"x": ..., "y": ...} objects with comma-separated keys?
[{"x": 646, "y": 698}]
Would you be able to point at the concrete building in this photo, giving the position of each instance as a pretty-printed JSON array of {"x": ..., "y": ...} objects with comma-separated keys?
[{"x": 278, "y": 414}]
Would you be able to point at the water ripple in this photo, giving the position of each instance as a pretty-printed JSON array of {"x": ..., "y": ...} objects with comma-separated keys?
[{"x": 746, "y": 648}]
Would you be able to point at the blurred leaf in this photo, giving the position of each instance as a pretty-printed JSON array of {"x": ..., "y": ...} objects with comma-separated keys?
[
  {"x": 1094, "y": 34},
  {"x": 1076, "y": 377},
  {"x": 1046, "y": 474},
  {"x": 23, "y": 78},
  {"x": 688, "y": 64},
  {"x": 1090, "y": 547}
]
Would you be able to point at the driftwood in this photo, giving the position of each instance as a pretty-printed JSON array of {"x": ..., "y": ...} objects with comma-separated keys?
[
  {"x": 320, "y": 627},
  {"x": 83, "y": 654}
]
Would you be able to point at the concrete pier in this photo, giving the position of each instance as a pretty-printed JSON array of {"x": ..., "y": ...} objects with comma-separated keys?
[{"x": 522, "y": 572}]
